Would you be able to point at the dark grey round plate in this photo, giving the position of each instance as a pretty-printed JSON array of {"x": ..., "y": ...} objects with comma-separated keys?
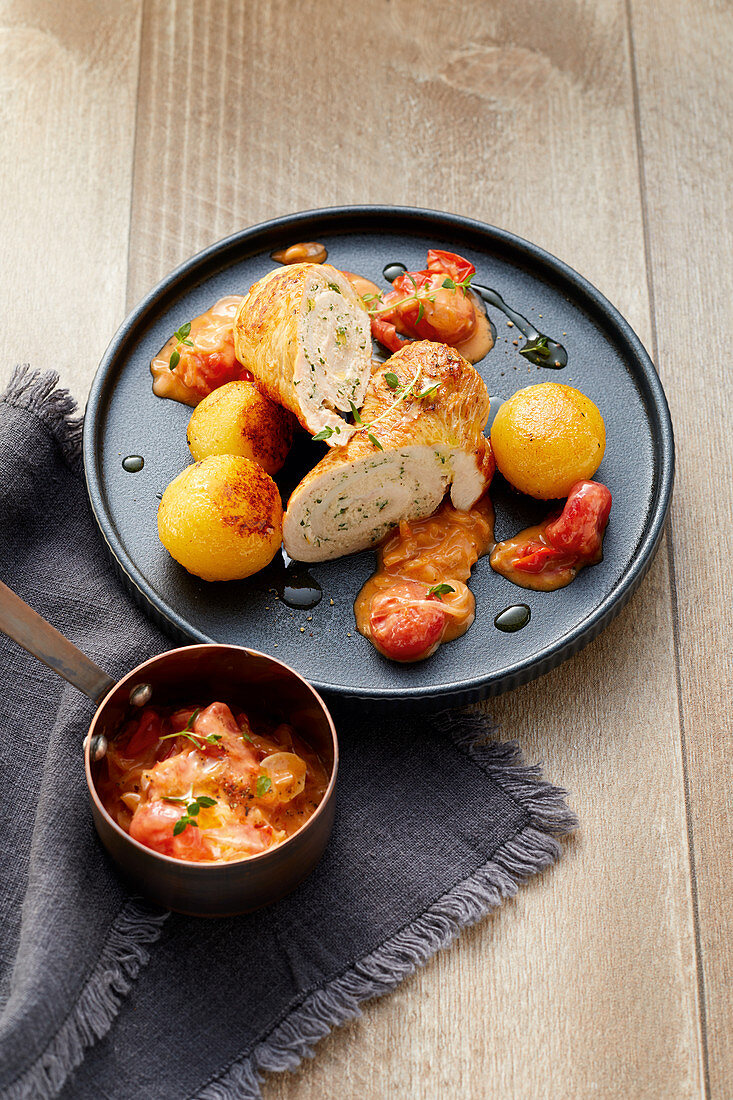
[{"x": 605, "y": 360}]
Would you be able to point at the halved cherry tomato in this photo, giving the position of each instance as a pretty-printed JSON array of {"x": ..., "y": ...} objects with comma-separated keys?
[
  {"x": 575, "y": 537},
  {"x": 451, "y": 263},
  {"x": 405, "y": 623},
  {"x": 534, "y": 557},
  {"x": 443, "y": 314},
  {"x": 204, "y": 372}
]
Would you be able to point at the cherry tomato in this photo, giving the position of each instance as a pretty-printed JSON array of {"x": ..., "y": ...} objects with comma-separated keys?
[
  {"x": 204, "y": 372},
  {"x": 148, "y": 733},
  {"x": 405, "y": 623},
  {"x": 450, "y": 263},
  {"x": 450, "y": 317},
  {"x": 447, "y": 315},
  {"x": 152, "y": 825},
  {"x": 579, "y": 528},
  {"x": 535, "y": 556},
  {"x": 387, "y": 334}
]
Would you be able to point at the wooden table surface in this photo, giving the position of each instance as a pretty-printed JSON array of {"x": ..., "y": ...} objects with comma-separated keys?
[{"x": 135, "y": 132}]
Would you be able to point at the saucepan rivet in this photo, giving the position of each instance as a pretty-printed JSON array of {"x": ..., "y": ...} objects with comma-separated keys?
[
  {"x": 98, "y": 748},
  {"x": 141, "y": 695}
]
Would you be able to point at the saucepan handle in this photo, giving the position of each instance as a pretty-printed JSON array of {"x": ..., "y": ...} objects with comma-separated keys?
[{"x": 26, "y": 627}]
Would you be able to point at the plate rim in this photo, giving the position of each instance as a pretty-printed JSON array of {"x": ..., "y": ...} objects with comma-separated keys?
[{"x": 645, "y": 376}]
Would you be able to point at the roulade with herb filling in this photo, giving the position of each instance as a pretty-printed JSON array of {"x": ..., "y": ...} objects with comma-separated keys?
[
  {"x": 420, "y": 432},
  {"x": 304, "y": 333}
]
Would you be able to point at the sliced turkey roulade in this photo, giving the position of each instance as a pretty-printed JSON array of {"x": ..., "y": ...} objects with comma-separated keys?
[
  {"x": 421, "y": 432},
  {"x": 305, "y": 335}
]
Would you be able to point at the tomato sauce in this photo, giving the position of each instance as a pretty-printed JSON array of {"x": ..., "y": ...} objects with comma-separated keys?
[
  {"x": 208, "y": 786},
  {"x": 396, "y": 608},
  {"x": 206, "y": 358}
]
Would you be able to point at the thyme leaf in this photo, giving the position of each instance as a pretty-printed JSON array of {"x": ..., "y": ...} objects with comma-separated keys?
[
  {"x": 192, "y": 811},
  {"x": 325, "y": 433},
  {"x": 440, "y": 590},
  {"x": 536, "y": 347}
]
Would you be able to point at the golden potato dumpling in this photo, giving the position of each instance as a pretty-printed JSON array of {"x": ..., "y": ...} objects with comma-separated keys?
[
  {"x": 237, "y": 419},
  {"x": 547, "y": 437},
  {"x": 221, "y": 518}
]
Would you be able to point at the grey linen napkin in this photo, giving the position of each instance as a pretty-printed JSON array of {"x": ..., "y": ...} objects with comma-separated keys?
[{"x": 103, "y": 995}]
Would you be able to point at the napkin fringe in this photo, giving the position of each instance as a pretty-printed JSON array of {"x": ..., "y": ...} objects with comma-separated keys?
[
  {"x": 122, "y": 958},
  {"x": 36, "y": 391},
  {"x": 532, "y": 850}
]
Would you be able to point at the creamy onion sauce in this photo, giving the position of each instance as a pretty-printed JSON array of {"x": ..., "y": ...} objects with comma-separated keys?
[
  {"x": 442, "y": 548},
  {"x": 149, "y": 776},
  {"x": 212, "y": 333},
  {"x": 362, "y": 285},
  {"x": 481, "y": 340}
]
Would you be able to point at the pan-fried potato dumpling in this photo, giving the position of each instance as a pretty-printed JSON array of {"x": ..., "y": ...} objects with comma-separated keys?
[
  {"x": 237, "y": 419},
  {"x": 546, "y": 438},
  {"x": 305, "y": 335},
  {"x": 221, "y": 519}
]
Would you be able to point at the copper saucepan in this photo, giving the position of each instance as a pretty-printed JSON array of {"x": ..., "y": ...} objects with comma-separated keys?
[{"x": 228, "y": 673}]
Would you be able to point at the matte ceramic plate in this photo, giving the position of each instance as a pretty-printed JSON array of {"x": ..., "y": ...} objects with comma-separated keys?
[{"x": 605, "y": 360}]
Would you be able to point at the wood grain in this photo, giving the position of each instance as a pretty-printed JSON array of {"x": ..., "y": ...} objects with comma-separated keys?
[
  {"x": 597, "y": 130},
  {"x": 521, "y": 116},
  {"x": 68, "y": 85},
  {"x": 685, "y": 91}
]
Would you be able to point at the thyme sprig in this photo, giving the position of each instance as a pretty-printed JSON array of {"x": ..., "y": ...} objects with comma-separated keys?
[
  {"x": 193, "y": 809},
  {"x": 416, "y": 296},
  {"x": 401, "y": 391},
  {"x": 181, "y": 337},
  {"x": 196, "y": 739},
  {"x": 538, "y": 346}
]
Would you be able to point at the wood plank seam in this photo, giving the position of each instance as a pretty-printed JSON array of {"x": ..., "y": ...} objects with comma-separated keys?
[
  {"x": 133, "y": 169},
  {"x": 699, "y": 966}
]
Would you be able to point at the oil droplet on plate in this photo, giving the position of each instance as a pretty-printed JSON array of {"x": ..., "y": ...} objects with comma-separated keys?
[
  {"x": 293, "y": 583},
  {"x": 393, "y": 271},
  {"x": 513, "y": 618},
  {"x": 301, "y": 591},
  {"x": 133, "y": 463}
]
